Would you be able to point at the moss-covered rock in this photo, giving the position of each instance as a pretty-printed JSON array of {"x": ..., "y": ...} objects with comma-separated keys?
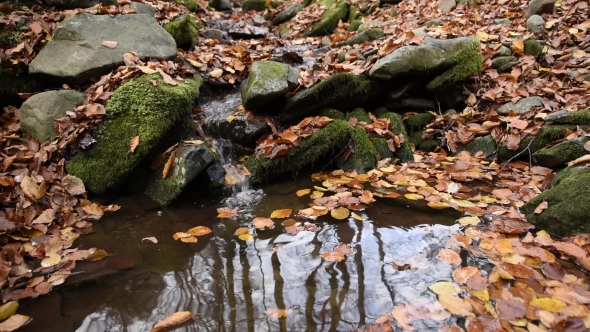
[
  {"x": 184, "y": 29},
  {"x": 267, "y": 81},
  {"x": 137, "y": 108},
  {"x": 429, "y": 145},
  {"x": 258, "y": 5},
  {"x": 404, "y": 152},
  {"x": 191, "y": 5},
  {"x": 382, "y": 147},
  {"x": 319, "y": 146},
  {"x": 486, "y": 144},
  {"x": 501, "y": 60},
  {"x": 415, "y": 138},
  {"x": 580, "y": 117},
  {"x": 329, "y": 20},
  {"x": 467, "y": 59},
  {"x": 11, "y": 86},
  {"x": 333, "y": 114},
  {"x": 8, "y": 38},
  {"x": 568, "y": 203},
  {"x": 354, "y": 25},
  {"x": 560, "y": 154},
  {"x": 533, "y": 47},
  {"x": 189, "y": 162},
  {"x": 417, "y": 122},
  {"x": 359, "y": 114},
  {"x": 364, "y": 157},
  {"x": 365, "y": 36},
  {"x": 287, "y": 14},
  {"x": 535, "y": 143}
]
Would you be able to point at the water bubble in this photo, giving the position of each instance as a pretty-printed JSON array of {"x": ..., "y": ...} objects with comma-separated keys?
[{"x": 159, "y": 213}]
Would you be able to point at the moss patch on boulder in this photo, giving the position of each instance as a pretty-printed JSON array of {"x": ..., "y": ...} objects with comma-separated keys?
[
  {"x": 320, "y": 145},
  {"x": 486, "y": 145},
  {"x": 364, "y": 157},
  {"x": 359, "y": 114},
  {"x": 382, "y": 147},
  {"x": 468, "y": 61},
  {"x": 329, "y": 20},
  {"x": 137, "y": 108},
  {"x": 404, "y": 152},
  {"x": 568, "y": 203},
  {"x": 258, "y": 5},
  {"x": 184, "y": 29},
  {"x": 560, "y": 154},
  {"x": 333, "y": 114},
  {"x": 419, "y": 121}
]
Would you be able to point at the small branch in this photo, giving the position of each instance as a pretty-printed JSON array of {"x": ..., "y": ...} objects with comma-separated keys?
[{"x": 528, "y": 148}]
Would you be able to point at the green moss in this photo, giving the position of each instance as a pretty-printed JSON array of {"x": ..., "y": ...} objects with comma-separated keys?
[
  {"x": 581, "y": 117},
  {"x": 320, "y": 145},
  {"x": 354, "y": 25},
  {"x": 333, "y": 114},
  {"x": 559, "y": 155},
  {"x": 429, "y": 145},
  {"x": 468, "y": 61},
  {"x": 285, "y": 30},
  {"x": 191, "y": 5},
  {"x": 329, "y": 20},
  {"x": 137, "y": 108},
  {"x": 11, "y": 86},
  {"x": 353, "y": 15},
  {"x": 184, "y": 29},
  {"x": 419, "y": 121},
  {"x": 258, "y": 5},
  {"x": 364, "y": 157},
  {"x": 416, "y": 138},
  {"x": 568, "y": 204},
  {"x": 359, "y": 114},
  {"x": 8, "y": 38},
  {"x": 382, "y": 147},
  {"x": 397, "y": 127}
]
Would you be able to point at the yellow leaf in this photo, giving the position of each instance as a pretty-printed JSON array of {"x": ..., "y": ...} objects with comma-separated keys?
[
  {"x": 190, "y": 239},
  {"x": 216, "y": 73},
  {"x": 456, "y": 305},
  {"x": 548, "y": 304},
  {"x": 444, "y": 287},
  {"x": 483, "y": 35},
  {"x": 356, "y": 216},
  {"x": 246, "y": 237},
  {"x": 8, "y": 309},
  {"x": 199, "y": 231},
  {"x": 283, "y": 213},
  {"x": 482, "y": 294},
  {"x": 261, "y": 223},
  {"x": 504, "y": 247},
  {"x": 320, "y": 188},
  {"x": 51, "y": 260},
  {"x": 439, "y": 205},
  {"x": 231, "y": 118},
  {"x": 573, "y": 31},
  {"x": 340, "y": 213},
  {"x": 242, "y": 230},
  {"x": 413, "y": 197},
  {"x": 463, "y": 203},
  {"x": 469, "y": 221},
  {"x": 316, "y": 194},
  {"x": 303, "y": 192},
  {"x": 96, "y": 255}
]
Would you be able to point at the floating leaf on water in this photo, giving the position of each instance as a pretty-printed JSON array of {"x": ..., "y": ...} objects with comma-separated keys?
[
  {"x": 463, "y": 274},
  {"x": 8, "y": 309},
  {"x": 316, "y": 194},
  {"x": 226, "y": 212},
  {"x": 96, "y": 254},
  {"x": 246, "y": 237},
  {"x": 303, "y": 192},
  {"x": 333, "y": 256},
  {"x": 278, "y": 313},
  {"x": 469, "y": 221},
  {"x": 450, "y": 257},
  {"x": 14, "y": 322},
  {"x": 289, "y": 222},
  {"x": 343, "y": 248},
  {"x": 414, "y": 197},
  {"x": 180, "y": 235},
  {"x": 356, "y": 216},
  {"x": 190, "y": 239},
  {"x": 242, "y": 230},
  {"x": 199, "y": 231},
  {"x": 283, "y": 213},
  {"x": 51, "y": 260},
  {"x": 444, "y": 287},
  {"x": 149, "y": 239},
  {"x": 261, "y": 223},
  {"x": 340, "y": 213},
  {"x": 173, "y": 320}
]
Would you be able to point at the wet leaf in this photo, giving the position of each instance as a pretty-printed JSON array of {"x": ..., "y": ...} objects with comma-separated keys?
[
  {"x": 469, "y": 221},
  {"x": 570, "y": 249},
  {"x": 189, "y": 239},
  {"x": 246, "y": 237},
  {"x": 8, "y": 309},
  {"x": 242, "y": 230},
  {"x": 149, "y": 239},
  {"x": 444, "y": 287},
  {"x": 344, "y": 249},
  {"x": 133, "y": 143},
  {"x": 510, "y": 309},
  {"x": 173, "y": 320},
  {"x": 463, "y": 274},
  {"x": 14, "y": 322},
  {"x": 553, "y": 270},
  {"x": 283, "y": 213},
  {"x": 278, "y": 313},
  {"x": 333, "y": 256},
  {"x": 199, "y": 231},
  {"x": 51, "y": 260},
  {"x": 400, "y": 314},
  {"x": 216, "y": 73},
  {"x": 548, "y": 304},
  {"x": 226, "y": 212},
  {"x": 180, "y": 235},
  {"x": 450, "y": 257},
  {"x": 169, "y": 165},
  {"x": 316, "y": 194},
  {"x": 456, "y": 305},
  {"x": 356, "y": 216},
  {"x": 46, "y": 217},
  {"x": 414, "y": 197},
  {"x": 439, "y": 205},
  {"x": 73, "y": 185},
  {"x": 109, "y": 44},
  {"x": 303, "y": 192},
  {"x": 261, "y": 223},
  {"x": 340, "y": 213}
]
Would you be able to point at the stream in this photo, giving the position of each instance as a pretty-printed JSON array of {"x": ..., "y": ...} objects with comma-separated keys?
[{"x": 232, "y": 285}]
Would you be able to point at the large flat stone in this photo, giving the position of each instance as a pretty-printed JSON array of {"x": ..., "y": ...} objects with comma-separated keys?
[{"x": 76, "y": 54}]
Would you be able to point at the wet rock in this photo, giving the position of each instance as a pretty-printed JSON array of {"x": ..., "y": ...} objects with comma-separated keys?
[
  {"x": 82, "y": 35},
  {"x": 413, "y": 104},
  {"x": 39, "y": 111},
  {"x": 184, "y": 30},
  {"x": 404, "y": 153},
  {"x": 287, "y": 14},
  {"x": 189, "y": 162},
  {"x": 268, "y": 81},
  {"x": 71, "y": 4},
  {"x": 321, "y": 146},
  {"x": 535, "y": 24},
  {"x": 365, "y": 36},
  {"x": 142, "y": 8},
  {"x": 533, "y": 47},
  {"x": 258, "y": 5},
  {"x": 500, "y": 61},
  {"x": 539, "y": 7},
  {"x": 137, "y": 108},
  {"x": 222, "y": 5},
  {"x": 486, "y": 144},
  {"x": 248, "y": 32},
  {"x": 580, "y": 117},
  {"x": 460, "y": 57},
  {"x": 329, "y": 20},
  {"x": 446, "y": 6},
  {"x": 364, "y": 157},
  {"x": 503, "y": 21},
  {"x": 557, "y": 156},
  {"x": 507, "y": 67},
  {"x": 522, "y": 106},
  {"x": 354, "y": 52},
  {"x": 215, "y": 172},
  {"x": 568, "y": 203},
  {"x": 212, "y": 34},
  {"x": 535, "y": 143}
]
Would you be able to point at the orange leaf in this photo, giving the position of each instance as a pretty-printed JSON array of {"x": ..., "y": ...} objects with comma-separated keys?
[
  {"x": 134, "y": 143},
  {"x": 284, "y": 213},
  {"x": 225, "y": 212},
  {"x": 261, "y": 223},
  {"x": 173, "y": 320},
  {"x": 541, "y": 207},
  {"x": 333, "y": 256},
  {"x": 109, "y": 44},
  {"x": 169, "y": 165}
]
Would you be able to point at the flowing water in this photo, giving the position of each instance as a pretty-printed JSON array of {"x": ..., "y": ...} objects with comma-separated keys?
[{"x": 232, "y": 285}]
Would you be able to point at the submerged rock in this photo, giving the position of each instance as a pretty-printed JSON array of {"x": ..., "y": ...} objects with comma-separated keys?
[
  {"x": 76, "y": 54},
  {"x": 189, "y": 162},
  {"x": 287, "y": 14},
  {"x": 457, "y": 59},
  {"x": 268, "y": 81},
  {"x": 558, "y": 155},
  {"x": 568, "y": 203},
  {"x": 184, "y": 29},
  {"x": 39, "y": 111},
  {"x": 522, "y": 106},
  {"x": 137, "y": 108}
]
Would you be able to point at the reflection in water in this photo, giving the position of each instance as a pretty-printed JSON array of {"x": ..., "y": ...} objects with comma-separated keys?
[{"x": 231, "y": 285}]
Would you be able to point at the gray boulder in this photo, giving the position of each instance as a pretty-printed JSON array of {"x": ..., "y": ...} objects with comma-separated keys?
[
  {"x": 70, "y": 4},
  {"x": 287, "y": 14},
  {"x": 364, "y": 36},
  {"x": 503, "y": 21},
  {"x": 522, "y": 106},
  {"x": 446, "y": 6},
  {"x": 458, "y": 58},
  {"x": 142, "y": 8},
  {"x": 189, "y": 162},
  {"x": 539, "y": 7},
  {"x": 486, "y": 144},
  {"x": 558, "y": 155},
  {"x": 212, "y": 34},
  {"x": 535, "y": 24},
  {"x": 38, "y": 112},
  {"x": 76, "y": 54},
  {"x": 222, "y": 5},
  {"x": 580, "y": 117},
  {"x": 268, "y": 81}
]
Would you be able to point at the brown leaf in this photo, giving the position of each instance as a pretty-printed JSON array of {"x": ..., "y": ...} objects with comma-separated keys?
[
  {"x": 109, "y": 44},
  {"x": 570, "y": 249},
  {"x": 450, "y": 257},
  {"x": 73, "y": 185},
  {"x": 510, "y": 309},
  {"x": 456, "y": 305},
  {"x": 582, "y": 159},
  {"x": 166, "y": 77},
  {"x": 541, "y": 207},
  {"x": 45, "y": 217},
  {"x": 169, "y": 165},
  {"x": 226, "y": 212},
  {"x": 333, "y": 256},
  {"x": 173, "y": 320},
  {"x": 553, "y": 270},
  {"x": 96, "y": 255},
  {"x": 14, "y": 322},
  {"x": 134, "y": 143},
  {"x": 261, "y": 223}
]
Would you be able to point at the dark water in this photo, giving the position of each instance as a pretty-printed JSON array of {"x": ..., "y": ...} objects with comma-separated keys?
[{"x": 230, "y": 285}]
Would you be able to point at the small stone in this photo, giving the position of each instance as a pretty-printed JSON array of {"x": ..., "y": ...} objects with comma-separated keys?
[
  {"x": 500, "y": 61},
  {"x": 287, "y": 14},
  {"x": 522, "y": 106},
  {"x": 532, "y": 47},
  {"x": 258, "y": 20},
  {"x": 535, "y": 24},
  {"x": 142, "y": 8},
  {"x": 212, "y": 34},
  {"x": 504, "y": 51},
  {"x": 539, "y": 7},
  {"x": 507, "y": 67},
  {"x": 503, "y": 21},
  {"x": 267, "y": 81},
  {"x": 446, "y": 6}
]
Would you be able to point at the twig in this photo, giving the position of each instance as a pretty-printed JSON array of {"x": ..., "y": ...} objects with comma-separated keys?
[{"x": 528, "y": 148}]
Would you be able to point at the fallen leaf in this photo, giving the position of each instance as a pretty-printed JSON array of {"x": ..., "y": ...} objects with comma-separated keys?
[
  {"x": 13, "y": 323},
  {"x": 73, "y": 185},
  {"x": 261, "y": 223},
  {"x": 303, "y": 192},
  {"x": 510, "y": 309},
  {"x": 278, "y": 313},
  {"x": 166, "y": 77},
  {"x": 134, "y": 143},
  {"x": 340, "y": 213},
  {"x": 456, "y": 305},
  {"x": 450, "y": 257},
  {"x": 199, "y": 231},
  {"x": 216, "y": 73},
  {"x": 246, "y": 237},
  {"x": 463, "y": 274},
  {"x": 149, "y": 239},
  {"x": 283, "y": 213},
  {"x": 226, "y": 212},
  {"x": 469, "y": 221},
  {"x": 51, "y": 259},
  {"x": 333, "y": 256},
  {"x": 109, "y": 44},
  {"x": 548, "y": 304},
  {"x": 8, "y": 309},
  {"x": 356, "y": 216},
  {"x": 541, "y": 207},
  {"x": 96, "y": 255},
  {"x": 169, "y": 165},
  {"x": 173, "y": 320},
  {"x": 343, "y": 248},
  {"x": 189, "y": 239},
  {"x": 444, "y": 287},
  {"x": 414, "y": 197}
]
